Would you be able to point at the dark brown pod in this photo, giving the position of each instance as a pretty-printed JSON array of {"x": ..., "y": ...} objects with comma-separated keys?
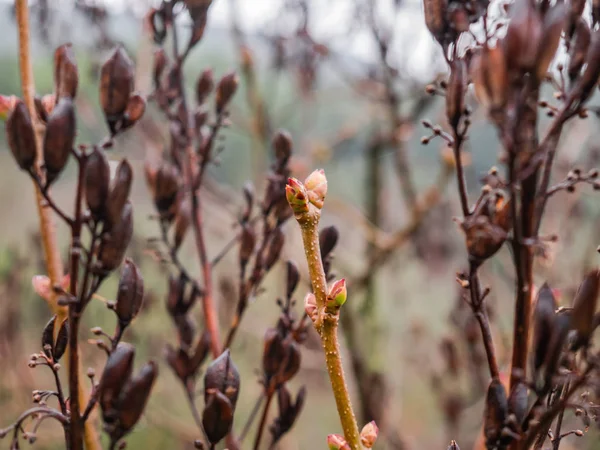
[
  {"x": 517, "y": 402},
  {"x": 21, "y": 136},
  {"x": 166, "y": 191},
  {"x": 135, "y": 396},
  {"x": 288, "y": 411},
  {"x": 292, "y": 278},
  {"x": 584, "y": 307},
  {"x": 274, "y": 353},
  {"x": 247, "y": 243},
  {"x": 589, "y": 78},
  {"x": 292, "y": 361},
  {"x": 282, "y": 145},
  {"x": 115, "y": 241},
  {"x": 48, "y": 337},
  {"x": 61, "y": 340},
  {"x": 523, "y": 36},
  {"x": 225, "y": 90},
  {"x": 578, "y": 49},
  {"x": 275, "y": 247},
  {"x": 328, "y": 238},
  {"x": 97, "y": 183},
  {"x": 130, "y": 294},
  {"x": 66, "y": 76},
  {"x": 59, "y": 138},
  {"x": 217, "y": 417},
  {"x": 560, "y": 331},
  {"x": 136, "y": 106},
  {"x": 553, "y": 25},
  {"x": 455, "y": 92},
  {"x": 204, "y": 86},
  {"x": 436, "y": 19},
  {"x": 201, "y": 351},
  {"x": 179, "y": 361},
  {"x": 119, "y": 192},
  {"x": 490, "y": 77},
  {"x": 222, "y": 375},
  {"x": 496, "y": 410},
  {"x": 114, "y": 378},
  {"x": 182, "y": 224},
  {"x": 116, "y": 86},
  {"x": 40, "y": 109},
  {"x": 543, "y": 323}
]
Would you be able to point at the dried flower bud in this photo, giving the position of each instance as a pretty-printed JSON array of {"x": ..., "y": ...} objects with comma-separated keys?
[
  {"x": 368, "y": 434},
  {"x": 316, "y": 186},
  {"x": 247, "y": 243},
  {"x": 130, "y": 294},
  {"x": 217, "y": 417},
  {"x": 166, "y": 191},
  {"x": 222, "y": 375},
  {"x": 297, "y": 196},
  {"x": 160, "y": 63},
  {"x": 59, "y": 138},
  {"x": 436, "y": 19},
  {"x": 114, "y": 377},
  {"x": 225, "y": 90},
  {"x": 292, "y": 278},
  {"x": 523, "y": 36},
  {"x": 578, "y": 49},
  {"x": 116, "y": 86},
  {"x": 119, "y": 193},
  {"x": 115, "y": 241},
  {"x": 455, "y": 92},
  {"x": 337, "y": 294},
  {"x": 97, "y": 183},
  {"x": 275, "y": 247},
  {"x": 21, "y": 136},
  {"x": 337, "y": 442},
  {"x": 584, "y": 307},
  {"x": 204, "y": 86},
  {"x": 496, "y": 410},
  {"x": 282, "y": 144},
  {"x": 66, "y": 77},
  {"x": 134, "y": 397}
]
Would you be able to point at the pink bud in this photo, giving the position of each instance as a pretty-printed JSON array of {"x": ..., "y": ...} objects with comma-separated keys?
[
  {"x": 316, "y": 185},
  {"x": 296, "y": 195},
  {"x": 337, "y": 294},
  {"x": 310, "y": 306},
  {"x": 368, "y": 434},
  {"x": 337, "y": 442}
]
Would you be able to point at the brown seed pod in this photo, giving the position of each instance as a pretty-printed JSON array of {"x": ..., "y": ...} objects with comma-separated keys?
[
  {"x": 136, "y": 106},
  {"x": 523, "y": 37},
  {"x": 119, "y": 192},
  {"x": 66, "y": 76},
  {"x": 292, "y": 361},
  {"x": 292, "y": 278},
  {"x": 48, "y": 337},
  {"x": 455, "y": 92},
  {"x": 584, "y": 307},
  {"x": 517, "y": 402},
  {"x": 578, "y": 49},
  {"x": 282, "y": 145},
  {"x": 543, "y": 323},
  {"x": 328, "y": 238},
  {"x": 204, "y": 86},
  {"x": 116, "y": 374},
  {"x": 436, "y": 19},
  {"x": 288, "y": 411},
  {"x": 490, "y": 77},
  {"x": 166, "y": 191},
  {"x": 496, "y": 410},
  {"x": 554, "y": 354},
  {"x": 225, "y": 90},
  {"x": 62, "y": 339},
  {"x": 134, "y": 397},
  {"x": 116, "y": 86},
  {"x": 59, "y": 138},
  {"x": 115, "y": 241},
  {"x": 275, "y": 247},
  {"x": 130, "y": 294},
  {"x": 217, "y": 417},
  {"x": 97, "y": 183},
  {"x": 553, "y": 25},
  {"x": 222, "y": 375},
  {"x": 247, "y": 244},
  {"x": 273, "y": 353},
  {"x": 589, "y": 78}
]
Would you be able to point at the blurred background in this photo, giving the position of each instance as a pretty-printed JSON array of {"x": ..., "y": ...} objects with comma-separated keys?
[{"x": 347, "y": 79}]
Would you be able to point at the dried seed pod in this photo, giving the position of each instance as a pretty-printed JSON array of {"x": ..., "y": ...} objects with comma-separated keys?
[
  {"x": 436, "y": 19},
  {"x": 160, "y": 63},
  {"x": 115, "y": 242},
  {"x": 48, "y": 337},
  {"x": 560, "y": 331},
  {"x": 247, "y": 244},
  {"x": 130, "y": 294},
  {"x": 40, "y": 109},
  {"x": 328, "y": 238},
  {"x": 517, "y": 402},
  {"x": 59, "y": 138},
  {"x": 116, "y": 374},
  {"x": 275, "y": 247},
  {"x": 66, "y": 76},
  {"x": 543, "y": 322},
  {"x": 217, "y": 417},
  {"x": 62, "y": 339},
  {"x": 134, "y": 397},
  {"x": 288, "y": 411},
  {"x": 182, "y": 223},
  {"x": 589, "y": 78},
  {"x": 292, "y": 361},
  {"x": 523, "y": 36},
  {"x": 274, "y": 353},
  {"x": 553, "y": 25},
  {"x": 166, "y": 191},
  {"x": 119, "y": 192},
  {"x": 222, "y": 375},
  {"x": 496, "y": 410},
  {"x": 584, "y": 307},
  {"x": 578, "y": 49},
  {"x": 97, "y": 183},
  {"x": 490, "y": 77},
  {"x": 136, "y": 106},
  {"x": 282, "y": 144},
  {"x": 116, "y": 86},
  {"x": 225, "y": 90},
  {"x": 201, "y": 351},
  {"x": 204, "y": 86},
  {"x": 292, "y": 278},
  {"x": 179, "y": 361},
  {"x": 455, "y": 92}
]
